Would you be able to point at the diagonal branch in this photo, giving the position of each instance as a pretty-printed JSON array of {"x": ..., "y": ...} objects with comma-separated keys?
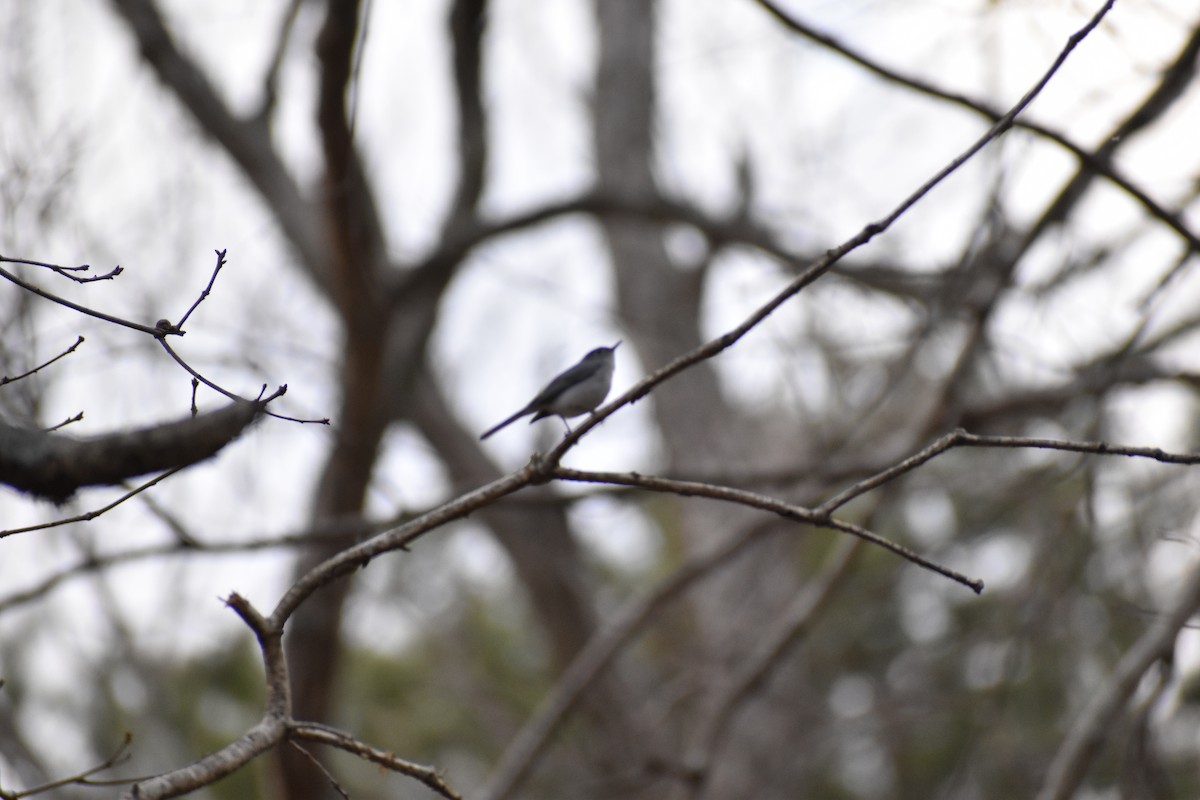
[
  {"x": 84, "y": 778},
  {"x": 6, "y": 379},
  {"x": 207, "y": 289},
  {"x": 91, "y": 312},
  {"x": 88, "y": 516},
  {"x": 1093, "y": 164},
  {"x": 831, "y": 257},
  {"x": 1175, "y": 79}
]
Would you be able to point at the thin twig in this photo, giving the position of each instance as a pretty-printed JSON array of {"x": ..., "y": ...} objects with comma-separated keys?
[
  {"x": 83, "y": 778},
  {"x": 207, "y": 289},
  {"x": 262, "y": 401},
  {"x": 316, "y": 762},
  {"x": 55, "y": 267},
  {"x": 324, "y": 734},
  {"x": 88, "y": 516},
  {"x": 891, "y": 473},
  {"x": 196, "y": 376},
  {"x": 160, "y": 331},
  {"x": 6, "y": 380},
  {"x": 960, "y": 438},
  {"x": 1096, "y": 448},
  {"x": 320, "y": 538},
  {"x": 797, "y": 513},
  {"x": 91, "y": 312},
  {"x": 68, "y": 272},
  {"x": 69, "y": 420},
  {"x": 1091, "y": 161},
  {"x": 195, "y": 386}
]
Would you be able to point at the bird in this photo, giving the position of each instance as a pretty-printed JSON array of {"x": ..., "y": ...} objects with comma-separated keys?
[{"x": 575, "y": 391}]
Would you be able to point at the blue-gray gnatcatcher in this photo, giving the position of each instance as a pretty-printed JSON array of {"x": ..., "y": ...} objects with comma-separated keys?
[{"x": 577, "y": 391}]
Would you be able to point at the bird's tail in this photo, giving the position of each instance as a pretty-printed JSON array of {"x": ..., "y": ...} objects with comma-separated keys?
[{"x": 508, "y": 421}]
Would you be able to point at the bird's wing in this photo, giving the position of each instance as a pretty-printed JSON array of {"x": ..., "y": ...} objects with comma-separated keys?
[{"x": 560, "y": 384}]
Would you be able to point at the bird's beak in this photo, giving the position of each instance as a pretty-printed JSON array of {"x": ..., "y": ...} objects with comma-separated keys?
[{"x": 618, "y": 344}]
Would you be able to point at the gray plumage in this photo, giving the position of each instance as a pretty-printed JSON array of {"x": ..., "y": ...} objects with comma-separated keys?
[{"x": 576, "y": 391}]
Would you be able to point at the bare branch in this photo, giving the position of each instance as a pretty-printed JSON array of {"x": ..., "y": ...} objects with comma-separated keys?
[
  {"x": 316, "y": 763},
  {"x": 69, "y": 272},
  {"x": 831, "y": 257},
  {"x": 891, "y": 473},
  {"x": 259, "y": 401},
  {"x": 275, "y": 725},
  {"x": 262, "y": 401},
  {"x": 320, "y": 536},
  {"x": 1098, "y": 163},
  {"x": 55, "y": 466},
  {"x": 270, "y": 641},
  {"x": 69, "y": 420},
  {"x": 88, "y": 516},
  {"x": 401, "y": 537},
  {"x": 324, "y": 734},
  {"x": 1175, "y": 79},
  {"x": 82, "y": 779},
  {"x": 796, "y": 513},
  {"x": 964, "y": 439},
  {"x": 267, "y": 733},
  {"x": 5, "y": 379},
  {"x": 603, "y": 205},
  {"x": 541, "y": 469},
  {"x": 207, "y": 289},
  {"x": 960, "y": 438},
  {"x": 157, "y": 333},
  {"x": 161, "y": 330}
]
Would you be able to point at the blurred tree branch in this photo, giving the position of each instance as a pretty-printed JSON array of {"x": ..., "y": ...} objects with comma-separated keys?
[
  {"x": 1098, "y": 163},
  {"x": 246, "y": 141},
  {"x": 1095, "y": 722},
  {"x": 54, "y": 466}
]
